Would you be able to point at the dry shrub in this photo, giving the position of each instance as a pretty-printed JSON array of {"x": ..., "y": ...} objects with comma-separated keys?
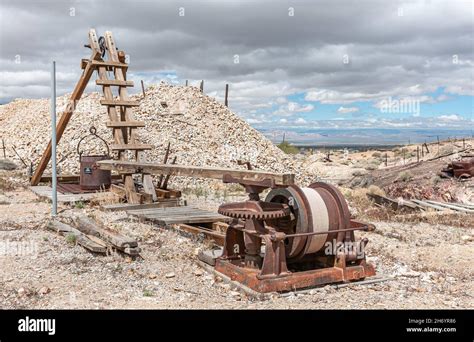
[
  {"x": 6, "y": 185},
  {"x": 404, "y": 176},
  {"x": 375, "y": 190}
]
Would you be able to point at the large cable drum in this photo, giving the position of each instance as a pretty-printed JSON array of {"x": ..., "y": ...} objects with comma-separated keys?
[{"x": 318, "y": 208}]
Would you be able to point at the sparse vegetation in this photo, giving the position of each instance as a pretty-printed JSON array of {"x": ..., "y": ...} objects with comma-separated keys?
[
  {"x": 404, "y": 176},
  {"x": 147, "y": 293},
  {"x": 286, "y": 147},
  {"x": 79, "y": 205},
  {"x": 71, "y": 238}
]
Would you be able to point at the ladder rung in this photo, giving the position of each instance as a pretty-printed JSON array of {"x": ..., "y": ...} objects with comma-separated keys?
[
  {"x": 119, "y": 103},
  {"x": 109, "y": 64},
  {"x": 125, "y": 124},
  {"x": 114, "y": 83},
  {"x": 124, "y": 147}
]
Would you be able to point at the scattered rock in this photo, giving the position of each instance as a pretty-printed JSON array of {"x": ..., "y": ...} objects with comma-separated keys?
[
  {"x": 44, "y": 290},
  {"x": 22, "y": 291},
  {"x": 198, "y": 272},
  {"x": 170, "y": 275}
]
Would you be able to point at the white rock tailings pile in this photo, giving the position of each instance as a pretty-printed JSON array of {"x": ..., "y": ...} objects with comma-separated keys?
[{"x": 202, "y": 132}]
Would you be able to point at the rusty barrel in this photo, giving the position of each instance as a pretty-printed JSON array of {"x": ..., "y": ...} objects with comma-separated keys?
[
  {"x": 91, "y": 177},
  {"x": 320, "y": 208}
]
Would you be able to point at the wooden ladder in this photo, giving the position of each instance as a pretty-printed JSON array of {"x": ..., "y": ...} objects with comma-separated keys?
[{"x": 119, "y": 110}]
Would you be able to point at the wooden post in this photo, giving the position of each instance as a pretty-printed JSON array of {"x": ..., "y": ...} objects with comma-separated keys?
[
  {"x": 226, "y": 95},
  {"x": 160, "y": 181},
  {"x": 143, "y": 89},
  {"x": 386, "y": 159},
  {"x": 463, "y": 143},
  {"x": 418, "y": 154},
  {"x": 202, "y": 86},
  {"x": 186, "y": 83},
  {"x": 3, "y": 147},
  {"x": 167, "y": 178},
  {"x": 437, "y": 137},
  {"x": 404, "y": 156}
]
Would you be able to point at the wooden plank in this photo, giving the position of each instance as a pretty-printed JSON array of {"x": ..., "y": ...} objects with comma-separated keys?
[
  {"x": 131, "y": 191},
  {"x": 125, "y": 147},
  {"x": 429, "y": 205},
  {"x": 119, "y": 103},
  {"x": 130, "y": 167},
  {"x": 149, "y": 187},
  {"x": 161, "y": 193},
  {"x": 114, "y": 83},
  {"x": 452, "y": 206},
  {"x": 66, "y": 115},
  {"x": 113, "y": 124},
  {"x": 217, "y": 237},
  {"x": 45, "y": 192},
  {"x": 111, "y": 64},
  {"x": 88, "y": 226},
  {"x": 119, "y": 190},
  {"x": 167, "y": 222},
  {"x": 81, "y": 239},
  {"x": 129, "y": 206},
  {"x": 66, "y": 178}
]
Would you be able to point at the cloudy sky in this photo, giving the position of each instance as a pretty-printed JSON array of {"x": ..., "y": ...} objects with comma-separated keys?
[{"x": 343, "y": 63}]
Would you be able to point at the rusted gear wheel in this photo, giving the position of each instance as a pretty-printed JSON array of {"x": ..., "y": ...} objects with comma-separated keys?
[{"x": 254, "y": 210}]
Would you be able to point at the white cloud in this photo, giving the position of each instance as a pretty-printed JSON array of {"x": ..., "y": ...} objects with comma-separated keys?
[
  {"x": 450, "y": 117},
  {"x": 345, "y": 110},
  {"x": 297, "y": 108},
  {"x": 283, "y": 121},
  {"x": 300, "y": 121}
]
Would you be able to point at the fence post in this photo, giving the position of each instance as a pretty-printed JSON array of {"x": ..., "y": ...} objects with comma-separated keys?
[{"x": 226, "y": 95}]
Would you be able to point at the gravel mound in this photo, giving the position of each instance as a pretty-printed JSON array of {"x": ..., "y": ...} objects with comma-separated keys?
[{"x": 202, "y": 132}]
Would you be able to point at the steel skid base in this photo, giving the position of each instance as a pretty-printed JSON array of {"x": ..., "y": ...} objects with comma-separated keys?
[{"x": 292, "y": 281}]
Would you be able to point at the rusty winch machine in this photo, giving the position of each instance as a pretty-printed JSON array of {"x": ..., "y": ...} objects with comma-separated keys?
[{"x": 298, "y": 237}]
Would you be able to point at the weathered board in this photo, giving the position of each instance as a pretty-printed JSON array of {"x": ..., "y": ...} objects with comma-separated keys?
[
  {"x": 45, "y": 192},
  {"x": 130, "y": 167},
  {"x": 165, "y": 202},
  {"x": 178, "y": 215}
]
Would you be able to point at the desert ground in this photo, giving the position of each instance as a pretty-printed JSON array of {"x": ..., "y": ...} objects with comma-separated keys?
[{"x": 425, "y": 256}]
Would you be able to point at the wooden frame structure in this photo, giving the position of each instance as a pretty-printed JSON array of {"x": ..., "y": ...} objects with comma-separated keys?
[
  {"x": 119, "y": 111},
  {"x": 127, "y": 167}
]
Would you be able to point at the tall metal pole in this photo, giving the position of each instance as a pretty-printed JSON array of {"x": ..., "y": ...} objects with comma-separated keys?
[{"x": 54, "y": 209}]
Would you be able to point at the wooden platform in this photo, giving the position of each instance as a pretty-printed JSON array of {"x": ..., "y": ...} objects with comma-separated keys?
[
  {"x": 45, "y": 192},
  {"x": 178, "y": 215}
]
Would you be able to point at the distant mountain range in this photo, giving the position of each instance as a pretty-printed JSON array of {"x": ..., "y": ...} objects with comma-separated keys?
[{"x": 362, "y": 136}]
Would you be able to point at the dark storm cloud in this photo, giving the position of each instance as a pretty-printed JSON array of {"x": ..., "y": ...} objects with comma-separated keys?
[{"x": 389, "y": 53}]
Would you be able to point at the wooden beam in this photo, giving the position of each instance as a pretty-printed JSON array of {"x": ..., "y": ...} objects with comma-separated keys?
[
  {"x": 66, "y": 115},
  {"x": 125, "y": 124},
  {"x": 119, "y": 103},
  {"x": 115, "y": 83},
  {"x": 109, "y": 64},
  {"x": 125, "y": 147},
  {"x": 128, "y": 167}
]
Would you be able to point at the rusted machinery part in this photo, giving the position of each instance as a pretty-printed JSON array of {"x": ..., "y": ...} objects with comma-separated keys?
[
  {"x": 254, "y": 210},
  {"x": 297, "y": 222},
  {"x": 344, "y": 213},
  {"x": 317, "y": 208}
]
